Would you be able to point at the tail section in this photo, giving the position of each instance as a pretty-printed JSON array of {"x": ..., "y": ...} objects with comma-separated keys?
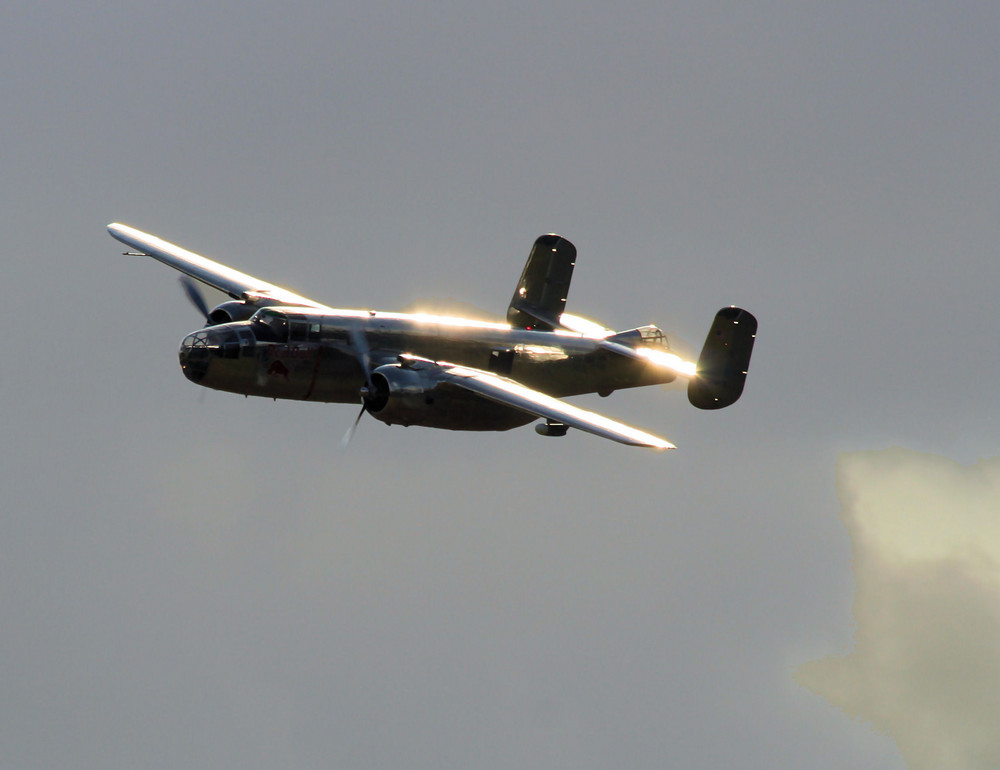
[
  {"x": 724, "y": 360},
  {"x": 540, "y": 297}
]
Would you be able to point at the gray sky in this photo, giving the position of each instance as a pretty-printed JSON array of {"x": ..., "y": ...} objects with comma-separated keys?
[{"x": 196, "y": 579}]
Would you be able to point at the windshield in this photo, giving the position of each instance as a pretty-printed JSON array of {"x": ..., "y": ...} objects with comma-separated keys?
[{"x": 269, "y": 326}]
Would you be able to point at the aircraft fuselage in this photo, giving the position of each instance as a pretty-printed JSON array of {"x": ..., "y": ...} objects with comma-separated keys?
[{"x": 291, "y": 354}]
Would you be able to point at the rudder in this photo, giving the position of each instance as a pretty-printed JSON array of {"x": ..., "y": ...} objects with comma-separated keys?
[
  {"x": 724, "y": 360},
  {"x": 540, "y": 297}
]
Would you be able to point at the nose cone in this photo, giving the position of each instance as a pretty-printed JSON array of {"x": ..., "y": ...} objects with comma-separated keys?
[
  {"x": 195, "y": 354},
  {"x": 201, "y": 348}
]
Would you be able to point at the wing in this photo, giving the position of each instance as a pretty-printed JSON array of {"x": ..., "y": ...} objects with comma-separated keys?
[
  {"x": 232, "y": 282},
  {"x": 518, "y": 396}
]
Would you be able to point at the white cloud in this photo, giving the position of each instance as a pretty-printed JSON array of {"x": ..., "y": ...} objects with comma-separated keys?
[{"x": 926, "y": 661}]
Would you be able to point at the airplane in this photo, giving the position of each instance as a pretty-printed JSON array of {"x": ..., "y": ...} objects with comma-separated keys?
[{"x": 441, "y": 371}]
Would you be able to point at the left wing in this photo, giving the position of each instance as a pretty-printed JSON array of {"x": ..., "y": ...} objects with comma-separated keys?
[
  {"x": 232, "y": 282},
  {"x": 514, "y": 394}
]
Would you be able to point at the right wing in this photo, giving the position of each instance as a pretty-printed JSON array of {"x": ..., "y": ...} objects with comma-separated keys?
[
  {"x": 511, "y": 393},
  {"x": 232, "y": 282}
]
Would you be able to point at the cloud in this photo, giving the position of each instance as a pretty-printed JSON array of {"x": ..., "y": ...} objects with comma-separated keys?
[{"x": 925, "y": 667}]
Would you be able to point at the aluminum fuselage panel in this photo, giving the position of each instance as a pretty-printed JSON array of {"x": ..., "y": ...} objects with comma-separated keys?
[{"x": 317, "y": 362}]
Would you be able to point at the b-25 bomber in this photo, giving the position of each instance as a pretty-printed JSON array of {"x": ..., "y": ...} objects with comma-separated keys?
[{"x": 442, "y": 371}]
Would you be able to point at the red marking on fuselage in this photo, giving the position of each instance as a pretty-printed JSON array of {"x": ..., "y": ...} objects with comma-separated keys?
[
  {"x": 290, "y": 351},
  {"x": 277, "y": 369}
]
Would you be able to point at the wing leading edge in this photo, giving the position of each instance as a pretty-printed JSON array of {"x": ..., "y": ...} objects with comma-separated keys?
[
  {"x": 514, "y": 394},
  {"x": 232, "y": 282}
]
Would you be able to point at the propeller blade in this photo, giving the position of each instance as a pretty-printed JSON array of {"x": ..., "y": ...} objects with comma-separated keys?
[
  {"x": 194, "y": 294},
  {"x": 360, "y": 344},
  {"x": 350, "y": 431}
]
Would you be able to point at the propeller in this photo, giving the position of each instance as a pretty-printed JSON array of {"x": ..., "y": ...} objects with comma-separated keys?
[
  {"x": 195, "y": 296},
  {"x": 350, "y": 431},
  {"x": 360, "y": 344}
]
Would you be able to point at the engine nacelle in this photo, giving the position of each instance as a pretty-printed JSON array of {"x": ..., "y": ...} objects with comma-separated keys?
[
  {"x": 404, "y": 396},
  {"x": 231, "y": 311}
]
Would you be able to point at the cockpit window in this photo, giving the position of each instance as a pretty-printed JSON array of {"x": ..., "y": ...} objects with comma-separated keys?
[
  {"x": 653, "y": 336},
  {"x": 269, "y": 326}
]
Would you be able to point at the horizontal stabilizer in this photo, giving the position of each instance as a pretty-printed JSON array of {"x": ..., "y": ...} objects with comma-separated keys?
[{"x": 724, "y": 360}]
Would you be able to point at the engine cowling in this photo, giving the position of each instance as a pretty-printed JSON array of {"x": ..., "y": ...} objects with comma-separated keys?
[
  {"x": 233, "y": 310},
  {"x": 403, "y": 395},
  {"x": 406, "y": 394}
]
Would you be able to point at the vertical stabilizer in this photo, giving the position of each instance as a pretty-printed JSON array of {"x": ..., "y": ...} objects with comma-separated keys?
[
  {"x": 724, "y": 360},
  {"x": 540, "y": 297}
]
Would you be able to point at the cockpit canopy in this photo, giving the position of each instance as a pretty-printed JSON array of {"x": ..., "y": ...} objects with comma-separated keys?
[
  {"x": 273, "y": 325},
  {"x": 644, "y": 336},
  {"x": 269, "y": 325}
]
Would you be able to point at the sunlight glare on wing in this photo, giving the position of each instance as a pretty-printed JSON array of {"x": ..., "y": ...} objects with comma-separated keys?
[
  {"x": 584, "y": 326},
  {"x": 522, "y": 397},
  {"x": 669, "y": 361},
  {"x": 442, "y": 320}
]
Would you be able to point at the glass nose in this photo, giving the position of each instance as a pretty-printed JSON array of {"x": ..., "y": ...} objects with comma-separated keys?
[{"x": 197, "y": 350}]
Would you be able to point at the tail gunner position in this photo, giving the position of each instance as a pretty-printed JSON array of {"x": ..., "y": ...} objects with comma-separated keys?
[{"x": 440, "y": 371}]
